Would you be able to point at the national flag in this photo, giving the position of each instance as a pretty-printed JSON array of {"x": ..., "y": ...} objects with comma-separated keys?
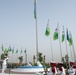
[
  {"x": 63, "y": 35},
  {"x": 2, "y": 48},
  {"x": 21, "y": 51},
  {"x": 70, "y": 39},
  {"x": 35, "y": 9},
  {"x": 17, "y": 51},
  {"x": 13, "y": 50},
  {"x": 9, "y": 49},
  {"x": 55, "y": 35},
  {"x": 47, "y": 32},
  {"x": 6, "y": 50},
  {"x": 67, "y": 34},
  {"x": 25, "y": 51}
]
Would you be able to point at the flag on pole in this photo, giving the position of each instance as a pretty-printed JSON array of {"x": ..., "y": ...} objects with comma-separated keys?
[
  {"x": 2, "y": 48},
  {"x": 9, "y": 49},
  {"x": 25, "y": 51},
  {"x": 55, "y": 35},
  {"x": 67, "y": 35},
  {"x": 35, "y": 9},
  {"x": 70, "y": 39},
  {"x": 13, "y": 50},
  {"x": 6, "y": 50},
  {"x": 17, "y": 51},
  {"x": 47, "y": 32},
  {"x": 63, "y": 35},
  {"x": 21, "y": 51}
]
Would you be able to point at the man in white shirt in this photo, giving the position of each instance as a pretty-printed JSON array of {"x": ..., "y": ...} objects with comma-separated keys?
[
  {"x": 4, "y": 64},
  {"x": 71, "y": 70}
]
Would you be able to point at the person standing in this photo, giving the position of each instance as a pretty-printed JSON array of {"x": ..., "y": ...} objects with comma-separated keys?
[
  {"x": 61, "y": 70},
  {"x": 53, "y": 69},
  {"x": 4, "y": 64},
  {"x": 71, "y": 70}
]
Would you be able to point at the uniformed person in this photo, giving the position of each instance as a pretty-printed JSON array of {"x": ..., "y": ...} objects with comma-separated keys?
[
  {"x": 61, "y": 70},
  {"x": 71, "y": 70},
  {"x": 4, "y": 64},
  {"x": 53, "y": 69}
]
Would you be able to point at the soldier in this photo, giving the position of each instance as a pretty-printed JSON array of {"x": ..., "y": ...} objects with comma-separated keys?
[
  {"x": 71, "y": 70},
  {"x": 61, "y": 70},
  {"x": 53, "y": 69},
  {"x": 4, "y": 64}
]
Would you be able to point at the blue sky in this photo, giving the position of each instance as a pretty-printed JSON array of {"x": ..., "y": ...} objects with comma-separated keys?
[{"x": 18, "y": 28}]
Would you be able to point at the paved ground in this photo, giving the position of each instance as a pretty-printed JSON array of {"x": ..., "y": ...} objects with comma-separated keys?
[{"x": 9, "y": 72}]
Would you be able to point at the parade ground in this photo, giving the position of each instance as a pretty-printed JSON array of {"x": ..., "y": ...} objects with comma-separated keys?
[{"x": 8, "y": 72}]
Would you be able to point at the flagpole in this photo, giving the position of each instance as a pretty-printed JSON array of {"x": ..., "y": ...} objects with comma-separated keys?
[
  {"x": 73, "y": 48},
  {"x": 12, "y": 55},
  {"x": 35, "y": 15},
  {"x": 36, "y": 41},
  {"x": 26, "y": 58},
  {"x": 66, "y": 43},
  {"x": 70, "y": 45},
  {"x": 51, "y": 46},
  {"x": 71, "y": 53},
  {"x": 74, "y": 52},
  {"x": 60, "y": 42}
]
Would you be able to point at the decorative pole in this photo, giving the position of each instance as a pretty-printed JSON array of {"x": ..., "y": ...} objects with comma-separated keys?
[
  {"x": 35, "y": 16},
  {"x": 59, "y": 41}
]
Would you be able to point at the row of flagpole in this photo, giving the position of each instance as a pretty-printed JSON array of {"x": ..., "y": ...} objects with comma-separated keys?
[
  {"x": 56, "y": 36},
  {"x": 13, "y": 51},
  {"x": 66, "y": 38}
]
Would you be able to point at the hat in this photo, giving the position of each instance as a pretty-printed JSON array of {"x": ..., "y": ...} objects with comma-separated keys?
[
  {"x": 60, "y": 63},
  {"x": 72, "y": 63},
  {"x": 53, "y": 63},
  {"x": 74, "y": 66}
]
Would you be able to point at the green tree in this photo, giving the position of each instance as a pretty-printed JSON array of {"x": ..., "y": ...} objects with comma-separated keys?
[
  {"x": 40, "y": 57},
  {"x": 20, "y": 60}
]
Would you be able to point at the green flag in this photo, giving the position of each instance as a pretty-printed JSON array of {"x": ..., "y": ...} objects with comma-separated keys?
[
  {"x": 67, "y": 34},
  {"x": 25, "y": 51},
  {"x": 47, "y": 32},
  {"x": 17, "y": 51},
  {"x": 2, "y": 48},
  {"x": 9, "y": 49},
  {"x": 35, "y": 9},
  {"x": 21, "y": 51},
  {"x": 70, "y": 39},
  {"x": 6, "y": 50},
  {"x": 55, "y": 35},
  {"x": 13, "y": 50},
  {"x": 63, "y": 35}
]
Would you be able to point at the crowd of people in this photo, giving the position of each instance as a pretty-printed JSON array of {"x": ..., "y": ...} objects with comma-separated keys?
[{"x": 54, "y": 70}]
